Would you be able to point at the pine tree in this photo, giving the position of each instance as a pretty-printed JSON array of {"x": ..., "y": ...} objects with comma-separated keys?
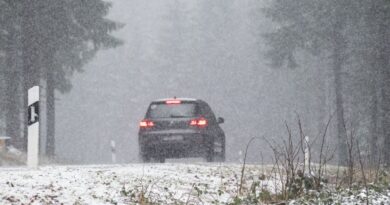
[
  {"x": 78, "y": 44},
  {"x": 369, "y": 38},
  {"x": 317, "y": 27},
  {"x": 352, "y": 33},
  {"x": 380, "y": 13},
  {"x": 11, "y": 74},
  {"x": 58, "y": 39}
]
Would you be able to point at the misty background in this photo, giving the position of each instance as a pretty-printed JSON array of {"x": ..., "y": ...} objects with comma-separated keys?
[
  {"x": 266, "y": 66},
  {"x": 212, "y": 50}
]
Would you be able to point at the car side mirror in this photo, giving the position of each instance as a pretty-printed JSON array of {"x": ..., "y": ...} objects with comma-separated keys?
[{"x": 220, "y": 120}]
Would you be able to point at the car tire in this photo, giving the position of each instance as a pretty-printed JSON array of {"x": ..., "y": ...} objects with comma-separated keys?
[
  {"x": 209, "y": 153},
  {"x": 220, "y": 156}
]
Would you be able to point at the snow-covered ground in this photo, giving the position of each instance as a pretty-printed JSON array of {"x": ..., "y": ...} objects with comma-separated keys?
[
  {"x": 169, "y": 183},
  {"x": 199, "y": 183}
]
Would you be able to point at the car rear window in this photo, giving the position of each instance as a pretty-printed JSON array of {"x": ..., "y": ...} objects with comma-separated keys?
[{"x": 163, "y": 110}]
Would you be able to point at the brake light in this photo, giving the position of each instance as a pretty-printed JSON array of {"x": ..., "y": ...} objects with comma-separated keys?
[
  {"x": 170, "y": 102},
  {"x": 146, "y": 124},
  {"x": 200, "y": 122}
]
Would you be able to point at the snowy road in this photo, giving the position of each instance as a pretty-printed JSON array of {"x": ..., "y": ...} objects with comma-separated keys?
[{"x": 199, "y": 183}]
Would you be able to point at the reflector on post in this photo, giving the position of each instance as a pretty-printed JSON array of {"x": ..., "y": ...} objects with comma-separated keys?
[{"x": 33, "y": 127}]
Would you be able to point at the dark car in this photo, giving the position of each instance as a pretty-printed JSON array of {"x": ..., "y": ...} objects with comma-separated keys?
[{"x": 179, "y": 128}]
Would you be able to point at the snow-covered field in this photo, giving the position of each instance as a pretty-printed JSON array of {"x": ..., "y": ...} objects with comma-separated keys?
[
  {"x": 199, "y": 183},
  {"x": 169, "y": 183}
]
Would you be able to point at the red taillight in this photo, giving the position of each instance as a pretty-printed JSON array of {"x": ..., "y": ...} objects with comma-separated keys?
[
  {"x": 146, "y": 123},
  {"x": 170, "y": 102},
  {"x": 200, "y": 122},
  {"x": 193, "y": 122}
]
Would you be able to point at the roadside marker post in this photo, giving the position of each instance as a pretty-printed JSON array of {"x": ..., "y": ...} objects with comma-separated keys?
[
  {"x": 113, "y": 151},
  {"x": 307, "y": 155},
  {"x": 33, "y": 128}
]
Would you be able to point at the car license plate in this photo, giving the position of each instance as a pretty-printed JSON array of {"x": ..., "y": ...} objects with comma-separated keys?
[{"x": 173, "y": 138}]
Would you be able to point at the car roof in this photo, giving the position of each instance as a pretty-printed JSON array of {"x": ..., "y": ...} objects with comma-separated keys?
[{"x": 181, "y": 99}]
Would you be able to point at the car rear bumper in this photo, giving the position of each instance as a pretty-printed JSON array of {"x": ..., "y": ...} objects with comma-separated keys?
[{"x": 173, "y": 144}]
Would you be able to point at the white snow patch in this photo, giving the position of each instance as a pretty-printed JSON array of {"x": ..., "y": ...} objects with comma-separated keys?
[{"x": 124, "y": 184}]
